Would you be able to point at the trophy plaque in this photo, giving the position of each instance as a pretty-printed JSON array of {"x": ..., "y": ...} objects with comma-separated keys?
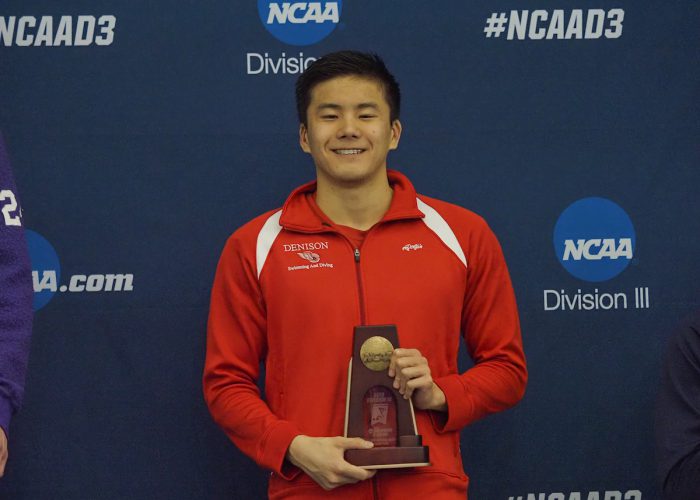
[{"x": 377, "y": 412}]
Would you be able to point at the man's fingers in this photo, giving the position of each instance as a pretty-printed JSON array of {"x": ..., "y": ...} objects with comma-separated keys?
[
  {"x": 408, "y": 368},
  {"x": 350, "y": 475},
  {"x": 366, "y": 473},
  {"x": 402, "y": 385},
  {"x": 355, "y": 473},
  {"x": 406, "y": 353},
  {"x": 322, "y": 459},
  {"x": 410, "y": 371},
  {"x": 401, "y": 354},
  {"x": 353, "y": 443},
  {"x": 404, "y": 363},
  {"x": 424, "y": 382},
  {"x": 346, "y": 472},
  {"x": 413, "y": 372}
]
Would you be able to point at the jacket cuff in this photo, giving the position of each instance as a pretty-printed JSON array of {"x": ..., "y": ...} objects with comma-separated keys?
[
  {"x": 275, "y": 449},
  {"x": 458, "y": 405},
  {"x": 5, "y": 415}
]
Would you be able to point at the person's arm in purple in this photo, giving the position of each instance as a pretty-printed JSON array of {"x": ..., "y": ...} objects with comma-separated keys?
[{"x": 15, "y": 303}]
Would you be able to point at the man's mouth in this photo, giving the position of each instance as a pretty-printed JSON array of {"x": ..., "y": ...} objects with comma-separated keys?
[{"x": 347, "y": 152}]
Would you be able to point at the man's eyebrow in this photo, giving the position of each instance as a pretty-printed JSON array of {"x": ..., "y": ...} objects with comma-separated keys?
[
  {"x": 327, "y": 105},
  {"x": 333, "y": 106}
]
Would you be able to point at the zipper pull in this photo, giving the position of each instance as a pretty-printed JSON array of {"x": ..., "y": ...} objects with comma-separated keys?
[{"x": 357, "y": 255}]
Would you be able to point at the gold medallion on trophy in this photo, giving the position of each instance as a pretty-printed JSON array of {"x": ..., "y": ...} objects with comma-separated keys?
[{"x": 375, "y": 353}]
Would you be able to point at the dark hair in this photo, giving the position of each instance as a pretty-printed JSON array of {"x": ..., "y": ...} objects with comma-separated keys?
[{"x": 347, "y": 63}]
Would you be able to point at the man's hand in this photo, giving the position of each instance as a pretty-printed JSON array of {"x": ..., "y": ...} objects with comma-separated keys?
[
  {"x": 3, "y": 451},
  {"x": 411, "y": 375},
  {"x": 322, "y": 459}
]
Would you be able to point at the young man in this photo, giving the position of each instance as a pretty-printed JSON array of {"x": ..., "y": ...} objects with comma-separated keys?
[
  {"x": 15, "y": 303},
  {"x": 357, "y": 247}
]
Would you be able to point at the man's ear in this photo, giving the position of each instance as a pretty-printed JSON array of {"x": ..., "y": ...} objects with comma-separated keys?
[
  {"x": 304, "y": 138},
  {"x": 396, "y": 129}
]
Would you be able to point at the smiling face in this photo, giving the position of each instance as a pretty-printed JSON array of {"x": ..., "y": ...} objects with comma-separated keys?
[{"x": 349, "y": 131}]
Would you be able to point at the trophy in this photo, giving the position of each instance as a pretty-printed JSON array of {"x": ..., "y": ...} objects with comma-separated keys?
[{"x": 377, "y": 412}]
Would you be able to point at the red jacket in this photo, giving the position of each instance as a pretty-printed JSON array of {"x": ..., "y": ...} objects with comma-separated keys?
[{"x": 289, "y": 289}]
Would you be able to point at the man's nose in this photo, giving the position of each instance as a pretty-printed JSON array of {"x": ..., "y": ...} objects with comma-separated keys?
[{"x": 348, "y": 128}]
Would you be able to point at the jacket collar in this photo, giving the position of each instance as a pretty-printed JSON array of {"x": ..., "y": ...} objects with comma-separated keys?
[{"x": 299, "y": 214}]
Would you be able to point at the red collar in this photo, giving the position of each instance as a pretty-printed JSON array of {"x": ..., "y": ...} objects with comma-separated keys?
[{"x": 297, "y": 213}]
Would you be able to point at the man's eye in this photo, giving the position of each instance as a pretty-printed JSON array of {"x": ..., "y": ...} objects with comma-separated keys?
[
  {"x": 329, "y": 117},
  {"x": 367, "y": 116}
]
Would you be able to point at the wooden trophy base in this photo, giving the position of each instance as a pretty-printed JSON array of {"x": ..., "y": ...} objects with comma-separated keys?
[{"x": 409, "y": 454}]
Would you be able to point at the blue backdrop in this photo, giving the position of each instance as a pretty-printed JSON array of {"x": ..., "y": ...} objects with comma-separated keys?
[{"x": 142, "y": 134}]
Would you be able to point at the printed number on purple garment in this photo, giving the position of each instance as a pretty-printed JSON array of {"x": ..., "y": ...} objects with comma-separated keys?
[{"x": 7, "y": 198}]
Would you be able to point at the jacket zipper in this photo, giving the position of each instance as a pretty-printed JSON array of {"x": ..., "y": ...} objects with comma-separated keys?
[
  {"x": 363, "y": 320},
  {"x": 360, "y": 287},
  {"x": 358, "y": 275}
]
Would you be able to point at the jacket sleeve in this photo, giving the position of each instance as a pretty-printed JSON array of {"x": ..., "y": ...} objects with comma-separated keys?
[
  {"x": 236, "y": 345},
  {"x": 491, "y": 329},
  {"x": 15, "y": 298}
]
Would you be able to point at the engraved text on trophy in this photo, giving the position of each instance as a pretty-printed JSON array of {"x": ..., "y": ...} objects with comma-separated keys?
[{"x": 379, "y": 413}]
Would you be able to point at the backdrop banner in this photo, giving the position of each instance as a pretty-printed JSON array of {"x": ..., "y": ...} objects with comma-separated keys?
[{"x": 142, "y": 134}]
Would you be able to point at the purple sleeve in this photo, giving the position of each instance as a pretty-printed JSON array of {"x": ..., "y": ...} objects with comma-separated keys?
[{"x": 15, "y": 296}]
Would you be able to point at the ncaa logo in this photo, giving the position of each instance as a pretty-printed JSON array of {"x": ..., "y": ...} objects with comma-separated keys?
[
  {"x": 594, "y": 239},
  {"x": 46, "y": 270},
  {"x": 300, "y": 23},
  {"x": 46, "y": 274}
]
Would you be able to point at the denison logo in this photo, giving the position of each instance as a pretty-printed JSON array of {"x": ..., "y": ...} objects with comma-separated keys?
[
  {"x": 300, "y": 23},
  {"x": 594, "y": 239}
]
